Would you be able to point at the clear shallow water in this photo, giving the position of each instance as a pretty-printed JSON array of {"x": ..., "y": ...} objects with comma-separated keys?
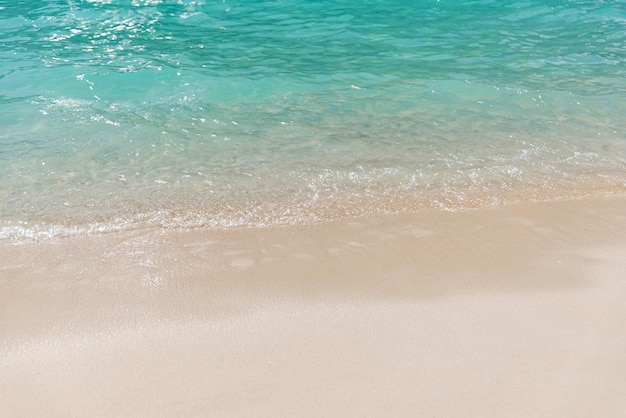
[{"x": 122, "y": 114}]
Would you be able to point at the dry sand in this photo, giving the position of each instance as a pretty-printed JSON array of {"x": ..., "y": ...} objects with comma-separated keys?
[{"x": 508, "y": 312}]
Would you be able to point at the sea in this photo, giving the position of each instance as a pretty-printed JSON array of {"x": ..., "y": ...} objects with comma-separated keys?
[{"x": 125, "y": 114}]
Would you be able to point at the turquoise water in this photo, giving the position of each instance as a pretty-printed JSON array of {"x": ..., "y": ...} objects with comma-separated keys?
[{"x": 118, "y": 114}]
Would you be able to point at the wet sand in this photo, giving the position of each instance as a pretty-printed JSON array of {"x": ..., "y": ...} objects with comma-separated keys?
[{"x": 513, "y": 311}]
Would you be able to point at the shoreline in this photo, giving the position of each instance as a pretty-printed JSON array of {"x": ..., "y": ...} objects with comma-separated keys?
[
  {"x": 81, "y": 220},
  {"x": 506, "y": 311}
]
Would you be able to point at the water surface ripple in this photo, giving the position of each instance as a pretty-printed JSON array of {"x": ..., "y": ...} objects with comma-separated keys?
[{"x": 118, "y": 114}]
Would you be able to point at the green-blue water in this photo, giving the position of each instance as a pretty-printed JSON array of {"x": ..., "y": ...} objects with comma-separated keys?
[{"x": 118, "y": 114}]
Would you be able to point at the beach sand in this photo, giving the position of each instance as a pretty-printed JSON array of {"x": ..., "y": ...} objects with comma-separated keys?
[{"x": 513, "y": 311}]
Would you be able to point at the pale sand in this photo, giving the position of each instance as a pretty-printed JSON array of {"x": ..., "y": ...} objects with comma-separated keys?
[{"x": 509, "y": 312}]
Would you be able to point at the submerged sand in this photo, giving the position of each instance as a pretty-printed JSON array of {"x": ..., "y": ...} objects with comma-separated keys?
[{"x": 507, "y": 312}]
